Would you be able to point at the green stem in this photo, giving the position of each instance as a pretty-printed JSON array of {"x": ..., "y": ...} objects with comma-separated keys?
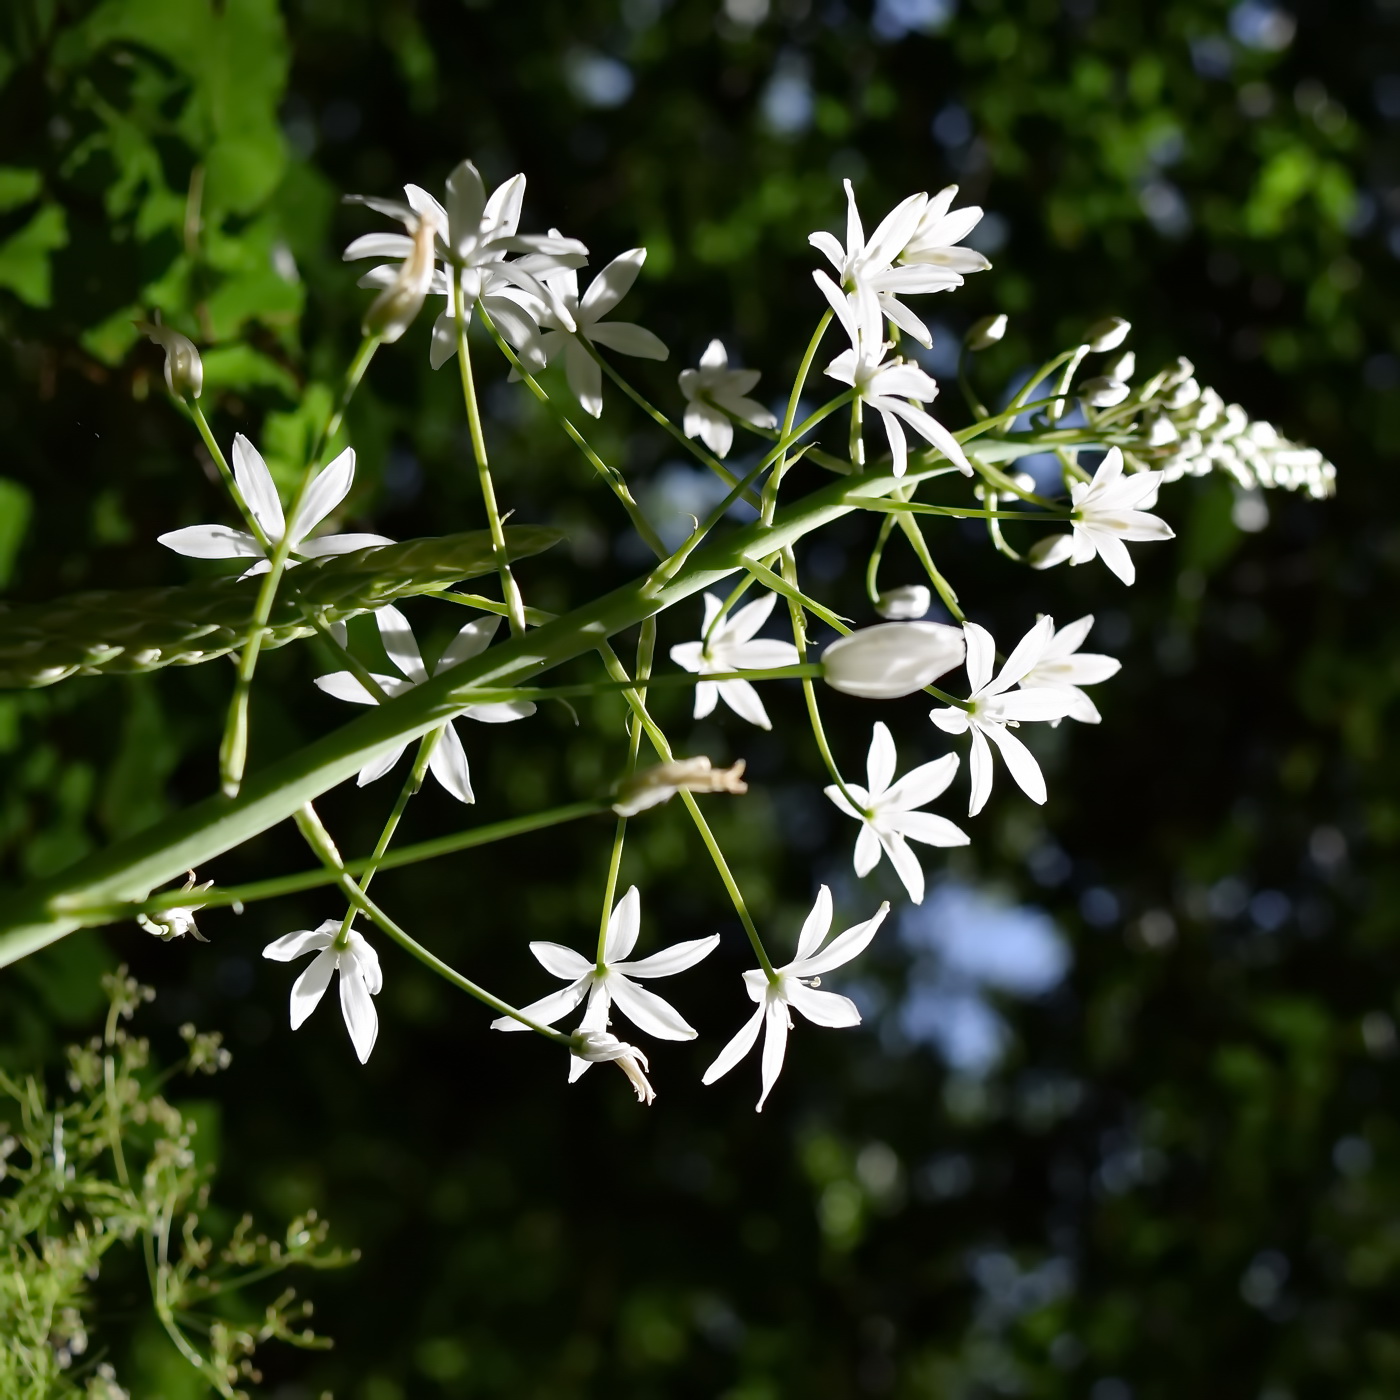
[
  {"x": 216, "y": 452},
  {"x": 770, "y": 489},
  {"x": 509, "y": 590},
  {"x": 872, "y": 566},
  {"x": 915, "y": 536}
]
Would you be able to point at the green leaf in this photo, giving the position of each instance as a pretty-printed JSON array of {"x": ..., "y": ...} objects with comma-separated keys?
[
  {"x": 15, "y": 508},
  {"x": 24, "y": 257}
]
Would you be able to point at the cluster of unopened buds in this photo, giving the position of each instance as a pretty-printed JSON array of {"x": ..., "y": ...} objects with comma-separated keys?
[{"x": 524, "y": 290}]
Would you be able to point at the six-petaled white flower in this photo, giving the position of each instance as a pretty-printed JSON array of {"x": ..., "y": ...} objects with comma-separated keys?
[
  {"x": 729, "y": 644},
  {"x": 1105, "y": 512},
  {"x": 448, "y": 762},
  {"x": 1062, "y": 666},
  {"x": 328, "y": 488},
  {"x": 940, "y": 229},
  {"x": 888, "y": 816},
  {"x": 360, "y": 978},
  {"x": 793, "y": 988},
  {"x": 569, "y": 313},
  {"x": 715, "y": 395},
  {"x": 609, "y": 982},
  {"x": 994, "y": 712}
]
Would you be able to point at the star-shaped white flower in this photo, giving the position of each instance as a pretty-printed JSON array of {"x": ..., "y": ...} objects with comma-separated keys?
[
  {"x": 328, "y": 488},
  {"x": 610, "y": 983},
  {"x": 940, "y": 229},
  {"x": 585, "y": 315},
  {"x": 360, "y": 978},
  {"x": 794, "y": 989},
  {"x": 1062, "y": 666},
  {"x": 887, "y": 814},
  {"x": 866, "y": 271},
  {"x": 715, "y": 395},
  {"x": 1106, "y": 511},
  {"x": 477, "y": 236},
  {"x": 995, "y": 712},
  {"x": 729, "y": 644},
  {"x": 448, "y": 762}
]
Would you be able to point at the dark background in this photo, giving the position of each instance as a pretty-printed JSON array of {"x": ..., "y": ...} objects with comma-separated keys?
[{"x": 1141, "y": 1144}]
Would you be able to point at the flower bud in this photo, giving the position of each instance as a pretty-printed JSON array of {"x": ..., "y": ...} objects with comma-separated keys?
[
  {"x": 653, "y": 786},
  {"x": 983, "y": 334},
  {"x": 184, "y": 370},
  {"x": 892, "y": 659},
  {"x": 1123, "y": 367},
  {"x": 393, "y": 310},
  {"x": 1103, "y": 392},
  {"x": 906, "y": 603},
  {"x": 1107, "y": 334}
]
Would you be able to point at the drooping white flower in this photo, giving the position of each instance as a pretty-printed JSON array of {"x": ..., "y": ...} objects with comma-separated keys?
[
  {"x": 609, "y": 982},
  {"x": 995, "y": 712},
  {"x": 888, "y": 814},
  {"x": 794, "y": 989},
  {"x": 403, "y": 288},
  {"x": 907, "y": 603},
  {"x": 360, "y": 978},
  {"x": 891, "y": 659},
  {"x": 328, "y": 488},
  {"x": 652, "y": 786},
  {"x": 1062, "y": 666},
  {"x": 448, "y": 763},
  {"x": 1104, "y": 513},
  {"x": 598, "y": 1047},
  {"x": 477, "y": 237},
  {"x": 865, "y": 267},
  {"x": 178, "y": 921},
  {"x": 887, "y": 386},
  {"x": 715, "y": 395},
  {"x": 184, "y": 370},
  {"x": 584, "y": 315},
  {"x": 939, "y": 230},
  {"x": 729, "y": 644}
]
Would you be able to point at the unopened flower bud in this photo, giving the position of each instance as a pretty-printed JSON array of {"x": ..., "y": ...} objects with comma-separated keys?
[
  {"x": 983, "y": 334},
  {"x": 903, "y": 604},
  {"x": 1181, "y": 370},
  {"x": 392, "y": 312},
  {"x": 1124, "y": 367},
  {"x": 1107, "y": 334},
  {"x": 892, "y": 659},
  {"x": 184, "y": 370},
  {"x": 598, "y": 1046},
  {"x": 653, "y": 786},
  {"x": 1103, "y": 392}
]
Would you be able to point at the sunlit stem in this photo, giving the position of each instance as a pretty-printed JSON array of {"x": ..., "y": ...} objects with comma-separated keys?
[
  {"x": 1019, "y": 404},
  {"x": 233, "y": 749},
  {"x": 646, "y": 647},
  {"x": 509, "y": 591},
  {"x": 872, "y": 566},
  {"x": 795, "y": 596},
  {"x": 659, "y": 742},
  {"x": 235, "y": 491},
  {"x": 536, "y": 617},
  {"x": 614, "y": 478},
  {"x": 979, "y": 409},
  {"x": 319, "y": 839},
  {"x": 857, "y": 439},
  {"x": 1052, "y": 513},
  {"x": 1056, "y": 410},
  {"x": 994, "y": 519},
  {"x": 915, "y": 536},
  {"x": 770, "y": 489},
  {"x": 412, "y": 783}
]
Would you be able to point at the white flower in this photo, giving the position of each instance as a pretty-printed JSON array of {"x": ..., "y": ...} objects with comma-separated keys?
[
  {"x": 476, "y": 235},
  {"x": 184, "y": 370},
  {"x": 714, "y": 394},
  {"x": 360, "y": 978},
  {"x": 178, "y": 921},
  {"x": 888, "y": 816},
  {"x": 939, "y": 230},
  {"x": 570, "y": 312},
  {"x": 327, "y": 490},
  {"x": 609, "y": 983},
  {"x": 448, "y": 762},
  {"x": 596, "y": 1047},
  {"x": 1062, "y": 666},
  {"x": 1105, "y": 513},
  {"x": 906, "y": 603},
  {"x": 891, "y": 659},
  {"x": 866, "y": 271},
  {"x": 652, "y": 786},
  {"x": 887, "y": 386},
  {"x": 404, "y": 288},
  {"x": 994, "y": 712},
  {"x": 728, "y": 644},
  {"x": 794, "y": 989}
]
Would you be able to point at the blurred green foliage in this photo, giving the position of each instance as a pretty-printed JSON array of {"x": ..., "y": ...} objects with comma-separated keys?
[{"x": 1181, "y": 1174}]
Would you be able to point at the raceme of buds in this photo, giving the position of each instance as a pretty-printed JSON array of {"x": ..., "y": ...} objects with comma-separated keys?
[
  {"x": 184, "y": 370},
  {"x": 983, "y": 334},
  {"x": 906, "y": 603},
  {"x": 1107, "y": 334},
  {"x": 653, "y": 786},
  {"x": 1103, "y": 392},
  {"x": 892, "y": 659}
]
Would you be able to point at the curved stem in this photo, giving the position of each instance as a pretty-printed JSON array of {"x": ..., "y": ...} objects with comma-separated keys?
[{"x": 770, "y": 490}]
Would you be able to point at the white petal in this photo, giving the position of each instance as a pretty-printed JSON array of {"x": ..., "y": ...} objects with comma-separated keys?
[
  {"x": 562, "y": 962},
  {"x": 255, "y": 482},
  {"x": 211, "y": 542},
  {"x": 867, "y": 852},
  {"x": 816, "y": 925},
  {"x": 471, "y": 641},
  {"x": 950, "y": 720},
  {"x": 744, "y": 624},
  {"x": 981, "y": 655},
  {"x": 500, "y": 712},
  {"x": 547, "y": 1010},
  {"x": 649, "y": 1012},
  {"x": 311, "y": 986},
  {"x": 823, "y": 1008},
  {"x": 378, "y": 767},
  {"x": 295, "y": 945},
  {"x": 1020, "y": 763},
  {"x": 706, "y": 697},
  {"x": 929, "y": 828},
  {"x": 612, "y": 284},
  {"x": 399, "y": 643},
  {"x": 585, "y": 378},
  {"x": 357, "y": 1007},
  {"x": 737, "y": 1048},
  {"x": 775, "y": 1034},
  {"x": 329, "y": 488},
  {"x": 759, "y": 654},
  {"x": 921, "y": 785},
  {"x": 677, "y": 958},
  {"x": 379, "y": 245},
  {"x": 879, "y": 761},
  {"x": 448, "y": 764},
  {"x": 344, "y": 686},
  {"x": 340, "y": 544},
  {"x": 743, "y": 699},
  {"x": 842, "y": 948},
  {"x": 1112, "y": 551},
  {"x": 979, "y": 764},
  {"x": 1027, "y": 654},
  {"x": 629, "y": 339},
  {"x": 1042, "y": 702},
  {"x": 624, "y": 924}
]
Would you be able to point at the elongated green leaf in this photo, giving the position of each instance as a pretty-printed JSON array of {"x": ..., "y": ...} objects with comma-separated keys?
[{"x": 144, "y": 629}]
